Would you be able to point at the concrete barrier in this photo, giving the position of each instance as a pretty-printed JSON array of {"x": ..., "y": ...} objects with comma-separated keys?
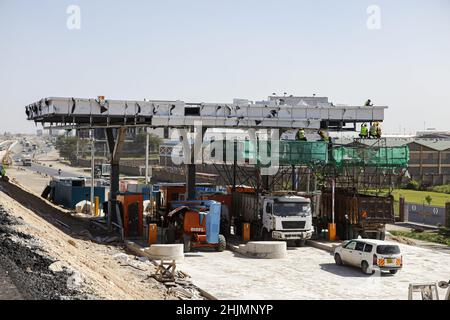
[
  {"x": 263, "y": 249},
  {"x": 166, "y": 252}
]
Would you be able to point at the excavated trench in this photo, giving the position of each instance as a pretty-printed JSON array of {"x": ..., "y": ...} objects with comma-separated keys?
[{"x": 24, "y": 268}]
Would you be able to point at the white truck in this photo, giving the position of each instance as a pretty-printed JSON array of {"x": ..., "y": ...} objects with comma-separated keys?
[
  {"x": 274, "y": 217},
  {"x": 26, "y": 162}
]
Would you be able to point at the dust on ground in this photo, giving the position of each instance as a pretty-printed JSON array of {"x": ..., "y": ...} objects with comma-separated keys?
[{"x": 97, "y": 270}]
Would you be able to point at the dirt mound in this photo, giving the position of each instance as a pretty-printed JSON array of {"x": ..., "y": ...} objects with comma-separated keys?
[{"x": 28, "y": 267}]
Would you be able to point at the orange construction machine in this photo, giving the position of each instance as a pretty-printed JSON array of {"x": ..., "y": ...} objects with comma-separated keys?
[
  {"x": 131, "y": 209},
  {"x": 196, "y": 224}
]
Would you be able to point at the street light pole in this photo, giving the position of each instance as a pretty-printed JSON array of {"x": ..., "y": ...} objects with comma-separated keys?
[
  {"x": 92, "y": 170},
  {"x": 147, "y": 142}
]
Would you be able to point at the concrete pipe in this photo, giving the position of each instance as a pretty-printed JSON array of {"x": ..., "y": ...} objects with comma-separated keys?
[
  {"x": 267, "y": 249},
  {"x": 166, "y": 252}
]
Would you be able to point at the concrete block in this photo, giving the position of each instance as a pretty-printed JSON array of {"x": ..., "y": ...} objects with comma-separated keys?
[
  {"x": 83, "y": 207},
  {"x": 266, "y": 249},
  {"x": 165, "y": 252}
]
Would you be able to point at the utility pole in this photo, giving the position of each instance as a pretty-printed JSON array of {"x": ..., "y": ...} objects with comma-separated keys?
[
  {"x": 92, "y": 169},
  {"x": 147, "y": 143}
]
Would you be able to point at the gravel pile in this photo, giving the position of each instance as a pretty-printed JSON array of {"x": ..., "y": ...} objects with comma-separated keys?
[{"x": 27, "y": 267}]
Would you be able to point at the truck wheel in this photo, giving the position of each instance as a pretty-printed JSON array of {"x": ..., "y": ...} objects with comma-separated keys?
[
  {"x": 337, "y": 259},
  {"x": 266, "y": 235},
  {"x": 187, "y": 243},
  {"x": 222, "y": 245},
  {"x": 300, "y": 243},
  {"x": 170, "y": 236}
]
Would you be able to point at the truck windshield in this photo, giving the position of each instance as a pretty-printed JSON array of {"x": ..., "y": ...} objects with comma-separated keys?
[{"x": 287, "y": 209}]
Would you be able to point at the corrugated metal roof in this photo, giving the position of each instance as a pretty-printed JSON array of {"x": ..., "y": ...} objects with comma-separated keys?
[
  {"x": 439, "y": 145},
  {"x": 390, "y": 142},
  {"x": 435, "y": 144}
]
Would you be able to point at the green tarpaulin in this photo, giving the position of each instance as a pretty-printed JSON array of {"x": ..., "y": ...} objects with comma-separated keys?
[{"x": 371, "y": 156}]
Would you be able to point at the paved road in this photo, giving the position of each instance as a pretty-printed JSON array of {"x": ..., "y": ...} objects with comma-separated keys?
[
  {"x": 309, "y": 273},
  {"x": 8, "y": 290},
  {"x": 53, "y": 172}
]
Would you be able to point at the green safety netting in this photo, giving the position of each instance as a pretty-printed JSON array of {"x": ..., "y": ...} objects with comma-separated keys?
[
  {"x": 316, "y": 153},
  {"x": 371, "y": 156},
  {"x": 288, "y": 153}
]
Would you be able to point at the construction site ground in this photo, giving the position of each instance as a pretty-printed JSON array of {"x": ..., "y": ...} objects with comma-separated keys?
[{"x": 310, "y": 273}]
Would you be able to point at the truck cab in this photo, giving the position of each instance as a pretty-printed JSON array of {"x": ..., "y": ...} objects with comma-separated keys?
[
  {"x": 26, "y": 162},
  {"x": 287, "y": 218}
]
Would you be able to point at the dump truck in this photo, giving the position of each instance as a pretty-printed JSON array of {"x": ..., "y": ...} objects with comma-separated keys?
[
  {"x": 358, "y": 214},
  {"x": 286, "y": 217}
]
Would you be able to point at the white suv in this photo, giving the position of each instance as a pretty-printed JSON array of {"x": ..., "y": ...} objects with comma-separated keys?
[{"x": 369, "y": 255}]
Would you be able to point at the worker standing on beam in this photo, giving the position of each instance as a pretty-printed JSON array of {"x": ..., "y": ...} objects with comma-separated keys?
[
  {"x": 364, "y": 134},
  {"x": 324, "y": 135},
  {"x": 378, "y": 130},
  {"x": 375, "y": 131},
  {"x": 368, "y": 103},
  {"x": 301, "y": 135}
]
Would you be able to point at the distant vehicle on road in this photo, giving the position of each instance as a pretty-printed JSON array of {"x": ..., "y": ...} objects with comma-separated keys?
[
  {"x": 370, "y": 255},
  {"x": 26, "y": 162}
]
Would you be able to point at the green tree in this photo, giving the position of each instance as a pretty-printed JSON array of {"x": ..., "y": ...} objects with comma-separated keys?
[
  {"x": 137, "y": 147},
  {"x": 67, "y": 146}
]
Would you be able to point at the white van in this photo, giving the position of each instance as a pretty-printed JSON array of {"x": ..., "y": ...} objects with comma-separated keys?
[{"x": 370, "y": 255}]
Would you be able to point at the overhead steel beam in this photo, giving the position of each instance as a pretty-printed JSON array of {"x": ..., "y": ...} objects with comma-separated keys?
[{"x": 303, "y": 112}]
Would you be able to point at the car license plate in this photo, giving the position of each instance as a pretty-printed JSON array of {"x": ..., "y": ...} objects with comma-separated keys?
[{"x": 389, "y": 260}]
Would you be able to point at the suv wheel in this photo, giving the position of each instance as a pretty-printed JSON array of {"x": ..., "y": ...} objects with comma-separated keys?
[
  {"x": 365, "y": 267},
  {"x": 393, "y": 271},
  {"x": 337, "y": 259}
]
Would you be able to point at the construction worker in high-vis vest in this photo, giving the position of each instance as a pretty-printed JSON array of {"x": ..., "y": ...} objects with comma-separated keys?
[
  {"x": 364, "y": 134},
  {"x": 324, "y": 135},
  {"x": 375, "y": 131},
  {"x": 301, "y": 135},
  {"x": 378, "y": 131}
]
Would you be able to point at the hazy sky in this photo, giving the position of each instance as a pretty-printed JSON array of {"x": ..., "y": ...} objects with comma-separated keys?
[{"x": 214, "y": 51}]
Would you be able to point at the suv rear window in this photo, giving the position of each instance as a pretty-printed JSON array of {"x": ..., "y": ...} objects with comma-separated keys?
[{"x": 388, "y": 249}]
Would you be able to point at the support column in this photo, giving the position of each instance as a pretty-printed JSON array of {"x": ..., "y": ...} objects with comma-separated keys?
[
  {"x": 190, "y": 181},
  {"x": 447, "y": 214},
  {"x": 115, "y": 148},
  {"x": 402, "y": 209},
  {"x": 294, "y": 179},
  {"x": 195, "y": 149}
]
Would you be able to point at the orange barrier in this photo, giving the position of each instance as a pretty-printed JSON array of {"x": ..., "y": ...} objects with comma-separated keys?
[
  {"x": 152, "y": 234},
  {"x": 332, "y": 231},
  {"x": 246, "y": 232}
]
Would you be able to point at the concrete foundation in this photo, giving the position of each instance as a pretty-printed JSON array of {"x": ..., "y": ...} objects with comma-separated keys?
[
  {"x": 166, "y": 252},
  {"x": 264, "y": 249}
]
